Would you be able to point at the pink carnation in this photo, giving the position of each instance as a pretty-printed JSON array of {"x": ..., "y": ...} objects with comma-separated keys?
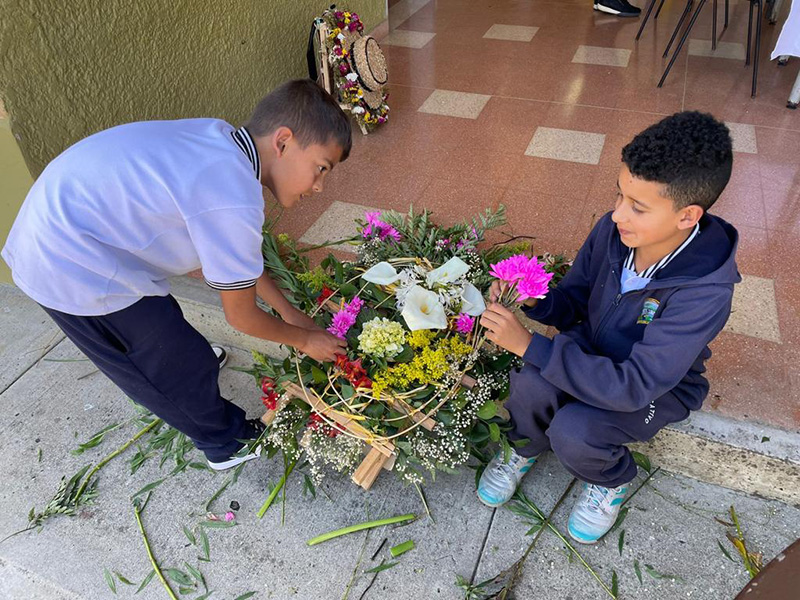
[
  {"x": 465, "y": 323},
  {"x": 354, "y": 306}
]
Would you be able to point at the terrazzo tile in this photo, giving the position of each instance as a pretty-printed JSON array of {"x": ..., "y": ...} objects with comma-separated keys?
[
  {"x": 731, "y": 50},
  {"x": 567, "y": 145},
  {"x": 595, "y": 55},
  {"x": 754, "y": 311},
  {"x": 407, "y": 39},
  {"x": 512, "y": 33},
  {"x": 744, "y": 137},
  {"x": 336, "y": 223},
  {"x": 454, "y": 104}
]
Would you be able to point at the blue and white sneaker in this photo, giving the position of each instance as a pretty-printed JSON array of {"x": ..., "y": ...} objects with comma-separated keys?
[
  {"x": 500, "y": 479},
  {"x": 595, "y": 512}
]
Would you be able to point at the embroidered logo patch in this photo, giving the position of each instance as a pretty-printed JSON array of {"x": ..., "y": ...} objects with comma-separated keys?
[{"x": 649, "y": 309}]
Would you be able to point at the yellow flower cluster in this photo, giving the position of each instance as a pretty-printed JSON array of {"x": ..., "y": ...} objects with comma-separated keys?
[{"x": 428, "y": 365}]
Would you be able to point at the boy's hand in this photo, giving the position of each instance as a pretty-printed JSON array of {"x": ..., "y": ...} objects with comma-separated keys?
[
  {"x": 322, "y": 346},
  {"x": 300, "y": 319},
  {"x": 505, "y": 330},
  {"x": 498, "y": 287}
]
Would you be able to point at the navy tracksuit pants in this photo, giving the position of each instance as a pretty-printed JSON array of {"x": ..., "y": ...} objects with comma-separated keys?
[
  {"x": 161, "y": 362},
  {"x": 589, "y": 441}
]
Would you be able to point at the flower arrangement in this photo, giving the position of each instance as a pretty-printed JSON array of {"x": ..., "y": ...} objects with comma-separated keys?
[
  {"x": 346, "y": 82},
  {"x": 417, "y": 374}
]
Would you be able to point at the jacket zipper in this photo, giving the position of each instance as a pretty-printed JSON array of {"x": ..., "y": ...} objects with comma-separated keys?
[{"x": 611, "y": 309}]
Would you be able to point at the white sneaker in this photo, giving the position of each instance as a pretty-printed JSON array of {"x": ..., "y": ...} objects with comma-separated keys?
[
  {"x": 221, "y": 354},
  {"x": 595, "y": 512},
  {"x": 234, "y": 461},
  {"x": 500, "y": 479}
]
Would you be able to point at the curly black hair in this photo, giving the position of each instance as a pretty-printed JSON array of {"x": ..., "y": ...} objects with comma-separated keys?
[{"x": 689, "y": 152}]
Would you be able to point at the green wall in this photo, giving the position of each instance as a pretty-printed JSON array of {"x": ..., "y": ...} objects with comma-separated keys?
[{"x": 73, "y": 67}]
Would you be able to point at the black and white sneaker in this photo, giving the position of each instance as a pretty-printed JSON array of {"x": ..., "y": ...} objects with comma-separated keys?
[
  {"x": 222, "y": 355},
  {"x": 620, "y": 8},
  {"x": 254, "y": 430}
]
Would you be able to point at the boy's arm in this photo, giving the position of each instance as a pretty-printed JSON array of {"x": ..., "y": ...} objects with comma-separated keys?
[
  {"x": 243, "y": 314},
  {"x": 566, "y": 304},
  {"x": 671, "y": 343},
  {"x": 270, "y": 293}
]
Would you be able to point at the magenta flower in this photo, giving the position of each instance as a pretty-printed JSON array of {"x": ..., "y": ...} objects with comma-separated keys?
[
  {"x": 526, "y": 276},
  {"x": 229, "y": 516},
  {"x": 354, "y": 306},
  {"x": 341, "y": 324},
  {"x": 465, "y": 323},
  {"x": 376, "y": 227},
  {"x": 343, "y": 68}
]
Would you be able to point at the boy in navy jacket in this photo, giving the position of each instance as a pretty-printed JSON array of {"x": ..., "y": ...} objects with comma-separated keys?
[{"x": 650, "y": 288}]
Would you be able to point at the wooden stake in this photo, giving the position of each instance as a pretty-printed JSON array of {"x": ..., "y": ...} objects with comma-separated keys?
[{"x": 369, "y": 469}]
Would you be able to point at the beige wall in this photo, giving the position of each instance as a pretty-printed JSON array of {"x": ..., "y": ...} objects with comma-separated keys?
[
  {"x": 71, "y": 68},
  {"x": 15, "y": 180}
]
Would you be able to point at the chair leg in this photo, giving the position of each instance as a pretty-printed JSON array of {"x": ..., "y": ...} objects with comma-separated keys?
[
  {"x": 678, "y": 27},
  {"x": 749, "y": 34},
  {"x": 658, "y": 12},
  {"x": 714, "y": 25},
  {"x": 646, "y": 16},
  {"x": 682, "y": 41},
  {"x": 756, "y": 52}
]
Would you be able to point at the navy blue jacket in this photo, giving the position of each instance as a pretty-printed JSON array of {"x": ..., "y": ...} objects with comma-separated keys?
[{"x": 622, "y": 351}]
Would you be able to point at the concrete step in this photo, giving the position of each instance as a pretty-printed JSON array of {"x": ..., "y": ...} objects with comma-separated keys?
[{"x": 749, "y": 457}]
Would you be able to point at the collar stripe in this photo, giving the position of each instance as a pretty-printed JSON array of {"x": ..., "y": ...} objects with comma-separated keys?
[
  {"x": 246, "y": 144},
  {"x": 650, "y": 271}
]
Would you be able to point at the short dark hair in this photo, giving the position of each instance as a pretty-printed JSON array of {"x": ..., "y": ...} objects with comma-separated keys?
[
  {"x": 690, "y": 152},
  {"x": 308, "y": 110}
]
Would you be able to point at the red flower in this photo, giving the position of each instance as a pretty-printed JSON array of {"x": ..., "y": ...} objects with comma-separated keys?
[
  {"x": 270, "y": 401},
  {"x": 323, "y": 297},
  {"x": 363, "y": 382},
  {"x": 267, "y": 385}
]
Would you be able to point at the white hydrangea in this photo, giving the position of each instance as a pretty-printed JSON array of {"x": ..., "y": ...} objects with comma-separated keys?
[{"x": 382, "y": 337}]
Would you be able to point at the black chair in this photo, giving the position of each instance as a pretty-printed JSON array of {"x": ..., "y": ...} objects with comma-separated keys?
[{"x": 752, "y": 50}]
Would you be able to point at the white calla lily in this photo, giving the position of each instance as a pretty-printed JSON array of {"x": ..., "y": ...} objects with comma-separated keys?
[
  {"x": 472, "y": 301},
  {"x": 423, "y": 310},
  {"x": 453, "y": 269},
  {"x": 381, "y": 274}
]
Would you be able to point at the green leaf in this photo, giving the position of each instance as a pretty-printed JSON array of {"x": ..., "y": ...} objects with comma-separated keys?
[
  {"x": 245, "y": 596},
  {"x": 764, "y": 439},
  {"x": 621, "y": 542},
  {"x": 110, "y": 580},
  {"x": 488, "y": 410},
  {"x": 656, "y": 575},
  {"x": 614, "y": 584},
  {"x": 725, "y": 552},
  {"x": 642, "y": 460},
  {"x": 405, "y": 356},
  {"x": 638, "y": 571},
  {"x": 178, "y": 577},
  {"x": 520, "y": 443},
  {"x": 150, "y": 486},
  {"x": 204, "y": 544},
  {"x": 382, "y": 567},
  {"x": 494, "y": 432},
  {"x": 620, "y": 518},
  {"x": 189, "y": 536},
  {"x": 183, "y": 591},
  {"x": 147, "y": 580},
  {"x": 196, "y": 574},
  {"x": 318, "y": 375},
  {"x": 123, "y": 579},
  {"x": 204, "y": 596},
  {"x": 218, "y": 524}
]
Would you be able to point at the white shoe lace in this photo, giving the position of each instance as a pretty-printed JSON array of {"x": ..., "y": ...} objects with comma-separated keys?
[
  {"x": 508, "y": 469},
  {"x": 597, "y": 497}
]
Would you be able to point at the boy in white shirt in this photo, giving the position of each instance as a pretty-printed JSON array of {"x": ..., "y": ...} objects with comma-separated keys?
[{"x": 115, "y": 215}]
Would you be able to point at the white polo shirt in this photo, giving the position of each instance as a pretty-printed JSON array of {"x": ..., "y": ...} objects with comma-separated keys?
[{"x": 115, "y": 215}]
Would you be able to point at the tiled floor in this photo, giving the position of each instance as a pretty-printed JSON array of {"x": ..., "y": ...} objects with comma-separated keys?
[{"x": 528, "y": 103}]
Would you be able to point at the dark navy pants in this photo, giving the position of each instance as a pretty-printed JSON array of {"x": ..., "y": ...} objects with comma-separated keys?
[
  {"x": 589, "y": 442},
  {"x": 161, "y": 362}
]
